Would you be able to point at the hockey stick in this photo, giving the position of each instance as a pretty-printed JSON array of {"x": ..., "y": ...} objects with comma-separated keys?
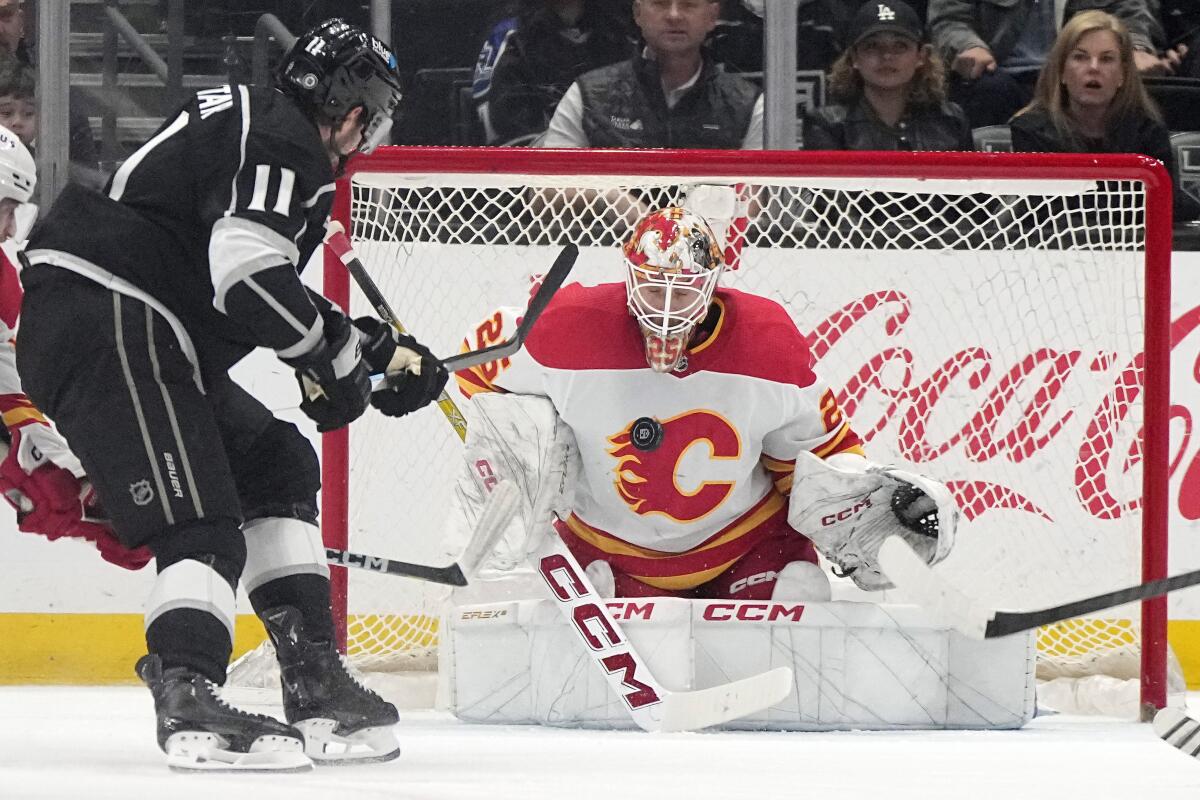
[
  {"x": 652, "y": 707},
  {"x": 500, "y": 508},
  {"x": 1178, "y": 730},
  {"x": 915, "y": 579},
  {"x": 339, "y": 244}
]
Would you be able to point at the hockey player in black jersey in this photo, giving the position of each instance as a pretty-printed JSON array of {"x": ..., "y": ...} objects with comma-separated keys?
[{"x": 138, "y": 301}]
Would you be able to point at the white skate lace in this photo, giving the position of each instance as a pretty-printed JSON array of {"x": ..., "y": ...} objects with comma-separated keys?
[
  {"x": 215, "y": 691},
  {"x": 353, "y": 674}
]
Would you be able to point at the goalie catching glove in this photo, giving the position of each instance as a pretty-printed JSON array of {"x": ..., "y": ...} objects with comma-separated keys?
[
  {"x": 847, "y": 506},
  {"x": 389, "y": 352},
  {"x": 39, "y": 479}
]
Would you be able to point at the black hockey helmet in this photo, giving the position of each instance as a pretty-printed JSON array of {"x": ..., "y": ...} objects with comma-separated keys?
[{"x": 336, "y": 67}]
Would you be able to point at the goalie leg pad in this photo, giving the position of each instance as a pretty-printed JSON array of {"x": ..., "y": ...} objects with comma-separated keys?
[
  {"x": 802, "y": 580},
  {"x": 854, "y": 665}
]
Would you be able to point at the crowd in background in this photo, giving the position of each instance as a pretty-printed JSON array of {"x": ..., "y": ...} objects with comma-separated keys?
[{"x": 1049, "y": 75}]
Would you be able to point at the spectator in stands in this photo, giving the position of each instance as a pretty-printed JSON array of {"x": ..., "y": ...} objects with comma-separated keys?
[
  {"x": 671, "y": 95},
  {"x": 530, "y": 58},
  {"x": 14, "y": 43},
  {"x": 889, "y": 89},
  {"x": 737, "y": 41},
  {"x": 12, "y": 28},
  {"x": 1181, "y": 24},
  {"x": 995, "y": 50},
  {"x": 1090, "y": 99},
  {"x": 18, "y": 106}
]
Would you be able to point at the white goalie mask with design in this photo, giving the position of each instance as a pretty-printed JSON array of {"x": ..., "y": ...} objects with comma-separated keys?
[{"x": 672, "y": 266}]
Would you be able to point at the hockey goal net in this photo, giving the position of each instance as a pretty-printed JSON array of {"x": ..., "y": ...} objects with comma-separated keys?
[{"x": 996, "y": 321}]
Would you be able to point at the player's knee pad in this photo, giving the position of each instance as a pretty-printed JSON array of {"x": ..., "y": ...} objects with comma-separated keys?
[
  {"x": 280, "y": 547},
  {"x": 279, "y": 475},
  {"x": 216, "y": 543},
  {"x": 802, "y": 580}
]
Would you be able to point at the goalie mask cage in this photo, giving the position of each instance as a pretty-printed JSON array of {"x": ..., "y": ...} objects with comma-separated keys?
[{"x": 996, "y": 321}]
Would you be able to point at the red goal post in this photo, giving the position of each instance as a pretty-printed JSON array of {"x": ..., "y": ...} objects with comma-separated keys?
[{"x": 964, "y": 235}]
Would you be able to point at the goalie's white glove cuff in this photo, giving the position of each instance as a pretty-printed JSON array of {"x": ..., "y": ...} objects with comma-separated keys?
[{"x": 39, "y": 444}]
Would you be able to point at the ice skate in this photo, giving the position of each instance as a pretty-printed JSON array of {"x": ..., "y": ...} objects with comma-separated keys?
[
  {"x": 342, "y": 721},
  {"x": 199, "y": 731}
]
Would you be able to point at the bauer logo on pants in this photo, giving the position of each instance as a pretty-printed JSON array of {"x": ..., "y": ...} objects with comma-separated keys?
[{"x": 141, "y": 492}]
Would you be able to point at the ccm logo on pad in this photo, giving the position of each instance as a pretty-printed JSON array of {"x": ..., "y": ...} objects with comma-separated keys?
[{"x": 751, "y": 612}]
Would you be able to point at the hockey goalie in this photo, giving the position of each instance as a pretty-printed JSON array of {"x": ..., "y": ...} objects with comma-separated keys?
[{"x": 676, "y": 436}]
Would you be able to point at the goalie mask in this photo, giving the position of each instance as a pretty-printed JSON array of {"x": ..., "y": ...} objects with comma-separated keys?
[{"x": 672, "y": 266}]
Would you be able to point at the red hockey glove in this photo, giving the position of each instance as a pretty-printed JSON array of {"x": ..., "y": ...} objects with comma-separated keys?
[{"x": 49, "y": 499}]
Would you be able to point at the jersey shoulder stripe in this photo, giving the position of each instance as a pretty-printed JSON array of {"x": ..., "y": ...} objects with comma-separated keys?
[{"x": 757, "y": 338}]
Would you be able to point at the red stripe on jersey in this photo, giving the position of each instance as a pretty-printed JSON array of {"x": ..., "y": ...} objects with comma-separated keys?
[
  {"x": 10, "y": 292},
  {"x": 692, "y": 567},
  {"x": 590, "y": 328}
]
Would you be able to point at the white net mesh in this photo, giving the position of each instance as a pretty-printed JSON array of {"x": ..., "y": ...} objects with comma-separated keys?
[{"x": 985, "y": 332}]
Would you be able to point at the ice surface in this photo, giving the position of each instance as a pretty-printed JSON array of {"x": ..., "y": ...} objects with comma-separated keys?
[{"x": 71, "y": 742}]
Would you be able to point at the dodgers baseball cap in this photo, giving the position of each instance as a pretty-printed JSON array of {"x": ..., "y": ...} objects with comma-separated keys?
[{"x": 886, "y": 16}]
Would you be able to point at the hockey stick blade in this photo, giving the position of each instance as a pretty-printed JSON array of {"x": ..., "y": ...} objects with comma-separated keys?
[
  {"x": 652, "y": 707},
  {"x": 551, "y": 283},
  {"x": 914, "y": 578},
  {"x": 703, "y": 708},
  {"x": 451, "y": 575},
  {"x": 500, "y": 508},
  {"x": 1178, "y": 730}
]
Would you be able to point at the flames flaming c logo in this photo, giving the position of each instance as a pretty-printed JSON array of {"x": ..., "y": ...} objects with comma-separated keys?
[{"x": 647, "y": 479}]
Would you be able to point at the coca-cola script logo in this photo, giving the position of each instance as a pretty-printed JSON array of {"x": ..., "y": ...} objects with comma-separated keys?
[{"x": 1021, "y": 413}]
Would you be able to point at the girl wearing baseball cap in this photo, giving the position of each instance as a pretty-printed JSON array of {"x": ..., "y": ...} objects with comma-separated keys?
[{"x": 889, "y": 89}]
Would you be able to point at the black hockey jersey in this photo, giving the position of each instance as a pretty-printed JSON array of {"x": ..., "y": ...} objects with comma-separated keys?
[{"x": 213, "y": 217}]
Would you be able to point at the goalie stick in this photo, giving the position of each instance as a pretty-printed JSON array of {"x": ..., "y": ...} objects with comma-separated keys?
[
  {"x": 916, "y": 580},
  {"x": 652, "y": 707},
  {"x": 500, "y": 508}
]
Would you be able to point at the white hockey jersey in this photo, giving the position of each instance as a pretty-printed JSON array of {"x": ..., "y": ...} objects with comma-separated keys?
[{"x": 690, "y": 460}]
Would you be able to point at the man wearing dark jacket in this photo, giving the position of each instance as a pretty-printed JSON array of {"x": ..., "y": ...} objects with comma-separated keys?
[
  {"x": 671, "y": 95},
  {"x": 529, "y": 60}
]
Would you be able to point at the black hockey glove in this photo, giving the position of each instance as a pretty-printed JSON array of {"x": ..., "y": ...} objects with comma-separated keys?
[
  {"x": 410, "y": 391},
  {"x": 333, "y": 377}
]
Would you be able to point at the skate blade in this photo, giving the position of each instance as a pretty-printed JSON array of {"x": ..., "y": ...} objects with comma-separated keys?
[
  {"x": 208, "y": 752},
  {"x": 366, "y": 746}
]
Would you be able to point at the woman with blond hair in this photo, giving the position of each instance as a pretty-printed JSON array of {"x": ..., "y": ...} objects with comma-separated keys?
[
  {"x": 1090, "y": 98},
  {"x": 889, "y": 90}
]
